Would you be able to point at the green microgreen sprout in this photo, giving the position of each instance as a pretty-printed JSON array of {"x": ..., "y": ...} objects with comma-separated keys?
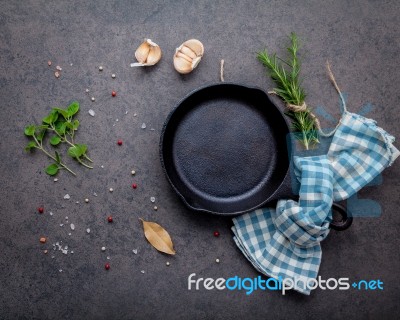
[{"x": 61, "y": 123}]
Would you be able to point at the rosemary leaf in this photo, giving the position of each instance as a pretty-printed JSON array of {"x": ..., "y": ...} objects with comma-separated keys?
[{"x": 286, "y": 75}]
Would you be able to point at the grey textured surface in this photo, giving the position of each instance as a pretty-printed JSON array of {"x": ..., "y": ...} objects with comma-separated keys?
[{"x": 359, "y": 37}]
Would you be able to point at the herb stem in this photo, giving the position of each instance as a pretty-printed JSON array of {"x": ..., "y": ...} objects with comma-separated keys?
[{"x": 40, "y": 146}]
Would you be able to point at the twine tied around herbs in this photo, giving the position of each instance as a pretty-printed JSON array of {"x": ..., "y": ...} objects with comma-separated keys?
[{"x": 303, "y": 106}]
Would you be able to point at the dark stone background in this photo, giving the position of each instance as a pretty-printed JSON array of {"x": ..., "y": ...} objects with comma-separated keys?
[{"x": 360, "y": 38}]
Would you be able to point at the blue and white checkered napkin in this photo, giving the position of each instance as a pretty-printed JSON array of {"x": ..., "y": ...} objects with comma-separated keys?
[{"x": 285, "y": 241}]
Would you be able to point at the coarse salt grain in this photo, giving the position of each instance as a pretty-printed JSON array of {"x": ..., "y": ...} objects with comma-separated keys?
[
  {"x": 153, "y": 199},
  {"x": 143, "y": 125},
  {"x": 92, "y": 113},
  {"x": 72, "y": 226},
  {"x": 88, "y": 230},
  {"x": 67, "y": 197}
]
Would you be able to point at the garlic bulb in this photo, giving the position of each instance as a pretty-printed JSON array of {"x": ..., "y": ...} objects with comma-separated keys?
[
  {"x": 148, "y": 54},
  {"x": 188, "y": 56}
]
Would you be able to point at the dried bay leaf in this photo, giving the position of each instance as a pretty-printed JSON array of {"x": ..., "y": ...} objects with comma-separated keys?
[{"x": 158, "y": 237}]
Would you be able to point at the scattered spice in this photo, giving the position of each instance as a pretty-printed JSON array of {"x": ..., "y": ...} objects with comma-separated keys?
[
  {"x": 134, "y": 185},
  {"x": 57, "y": 74},
  {"x": 107, "y": 266},
  {"x": 49, "y": 63},
  {"x": 59, "y": 68},
  {"x": 42, "y": 240},
  {"x": 119, "y": 142},
  {"x": 45, "y": 251},
  {"x": 216, "y": 234},
  {"x": 110, "y": 219},
  {"x": 40, "y": 209},
  {"x": 113, "y": 93}
]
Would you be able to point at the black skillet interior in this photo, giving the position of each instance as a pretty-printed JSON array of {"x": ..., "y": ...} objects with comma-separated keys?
[{"x": 223, "y": 149}]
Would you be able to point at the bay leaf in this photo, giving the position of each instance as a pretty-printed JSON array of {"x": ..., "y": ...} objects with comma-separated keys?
[{"x": 158, "y": 237}]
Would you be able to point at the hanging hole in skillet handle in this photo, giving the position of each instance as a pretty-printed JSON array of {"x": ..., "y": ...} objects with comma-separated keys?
[{"x": 340, "y": 219}]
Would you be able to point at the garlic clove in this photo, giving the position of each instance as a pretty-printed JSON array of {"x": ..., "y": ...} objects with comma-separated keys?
[
  {"x": 182, "y": 65},
  {"x": 196, "y": 46},
  {"x": 188, "y": 52},
  {"x": 154, "y": 55},
  {"x": 148, "y": 54},
  {"x": 181, "y": 55},
  {"x": 188, "y": 56},
  {"x": 142, "y": 52}
]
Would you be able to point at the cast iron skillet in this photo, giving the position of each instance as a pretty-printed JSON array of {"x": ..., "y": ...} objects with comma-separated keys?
[{"x": 224, "y": 151}]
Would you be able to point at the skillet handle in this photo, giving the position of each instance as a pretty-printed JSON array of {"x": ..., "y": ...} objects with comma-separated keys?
[{"x": 345, "y": 221}]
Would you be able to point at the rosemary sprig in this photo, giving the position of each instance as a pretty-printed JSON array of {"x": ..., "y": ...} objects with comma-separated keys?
[{"x": 285, "y": 74}]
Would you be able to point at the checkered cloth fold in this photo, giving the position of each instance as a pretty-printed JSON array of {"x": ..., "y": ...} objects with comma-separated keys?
[{"x": 284, "y": 242}]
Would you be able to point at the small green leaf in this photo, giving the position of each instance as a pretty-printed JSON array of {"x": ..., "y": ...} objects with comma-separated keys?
[
  {"x": 82, "y": 147},
  {"x": 73, "y": 108},
  {"x": 30, "y": 145},
  {"x": 75, "y": 152},
  {"x": 51, "y": 117},
  {"x": 30, "y": 130},
  {"x": 63, "y": 112},
  {"x": 69, "y": 125},
  {"x": 75, "y": 124},
  {"x": 60, "y": 127},
  {"x": 58, "y": 158},
  {"x": 40, "y": 134},
  {"x": 52, "y": 169},
  {"x": 55, "y": 140}
]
